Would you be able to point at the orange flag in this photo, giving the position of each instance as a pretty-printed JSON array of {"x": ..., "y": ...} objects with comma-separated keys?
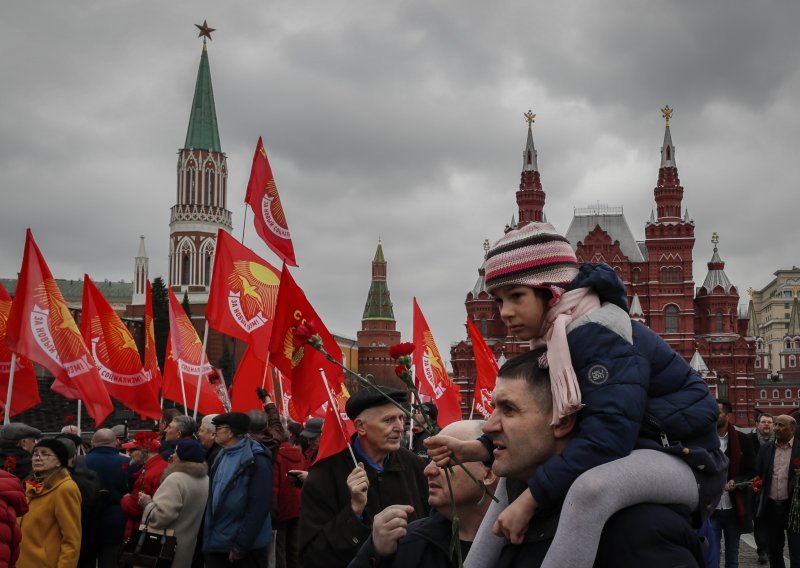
[
  {"x": 26, "y": 389},
  {"x": 301, "y": 366},
  {"x": 150, "y": 357},
  {"x": 244, "y": 288},
  {"x": 269, "y": 218},
  {"x": 41, "y": 328},
  {"x": 248, "y": 378},
  {"x": 486, "y": 372},
  {"x": 116, "y": 354},
  {"x": 185, "y": 362},
  {"x": 335, "y": 433},
  {"x": 431, "y": 375}
]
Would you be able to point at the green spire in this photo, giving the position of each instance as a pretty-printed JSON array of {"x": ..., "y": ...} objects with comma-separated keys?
[
  {"x": 379, "y": 304},
  {"x": 203, "y": 132}
]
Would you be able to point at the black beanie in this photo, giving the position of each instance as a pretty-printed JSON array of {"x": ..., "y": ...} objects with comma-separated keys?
[{"x": 59, "y": 449}]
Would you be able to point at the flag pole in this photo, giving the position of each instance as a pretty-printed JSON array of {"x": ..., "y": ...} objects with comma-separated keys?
[
  {"x": 183, "y": 387},
  {"x": 264, "y": 378},
  {"x": 202, "y": 373},
  {"x": 80, "y": 408},
  {"x": 283, "y": 395},
  {"x": 7, "y": 417},
  {"x": 335, "y": 408},
  {"x": 411, "y": 423}
]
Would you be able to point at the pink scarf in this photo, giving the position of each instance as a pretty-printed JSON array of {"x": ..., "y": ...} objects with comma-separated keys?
[{"x": 563, "y": 381}]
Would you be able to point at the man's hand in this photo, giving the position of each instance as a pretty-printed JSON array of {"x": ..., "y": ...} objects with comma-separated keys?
[
  {"x": 358, "y": 484},
  {"x": 513, "y": 522},
  {"x": 233, "y": 557},
  {"x": 440, "y": 448},
  {"x": 388, "y": 527},
  {"x": 262, "y": 394}
]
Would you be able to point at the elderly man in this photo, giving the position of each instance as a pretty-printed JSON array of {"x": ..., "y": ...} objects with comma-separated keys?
[
  {"x": 777, "y": 464},
  {"x": 207, "y": 435},
  {"x": 426, "y": 542},
  {"x": 110, "y": 466},
  {"x": 761, "y": 436},
  {"x": 339, "y": 501},
  {"x": 237, "y": 528},
  {"x": 16, "y": 443},
  {"x": 524, "y": 438}
]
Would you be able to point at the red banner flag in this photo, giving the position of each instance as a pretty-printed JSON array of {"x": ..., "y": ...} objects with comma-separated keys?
[
  {"x": 244, "y": 288},
  {"x": 185, "y": 362},
  {"x": 301, "y": 366},
  {"x": 486, "y": 372},
  {"x": 431, "y": 375},
  {"x": 150, "y": 356},
  {"x": 335, "y": 433},
  {"x": 41, "y": 328},
  {"x": 269, "y": 218},
  {"x": 116, "y": 354},
  {"x": 26, "y": 389},
  {"x": 249, "y": 376}
]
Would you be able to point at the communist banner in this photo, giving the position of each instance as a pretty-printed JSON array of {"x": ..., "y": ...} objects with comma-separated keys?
[
  {"x": 244, "y": 288},
  {"x": 150, "y": 357},
  {"x": 300, "y": 364},
  {"x": 186, "y": 364},
  {"x": 268, "y": 215},
  {"x": 337, "y": 428},
  {"x": 486, "y": 372},
  {"x": 431, "y": 375},
  {"x": 251, "y": 374},
  {"x": 41, "y": 328},
  {"x": 26, "y": 390},
  {"x": 116, "y": 354}
]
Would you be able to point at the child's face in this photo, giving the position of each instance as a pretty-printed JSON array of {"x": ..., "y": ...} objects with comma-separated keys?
[{"x": 522, "y": 310}]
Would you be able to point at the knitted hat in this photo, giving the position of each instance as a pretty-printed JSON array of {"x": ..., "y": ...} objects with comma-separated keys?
[
  {"x": 59, "y": 449},
  {"x": 534, "y": 255},
  {"x": 190, "y": 450}
]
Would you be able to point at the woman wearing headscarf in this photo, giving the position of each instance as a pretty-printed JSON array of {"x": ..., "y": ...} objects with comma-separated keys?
[
  {"x": 51, "y": 530},
  {"x": 181, "y": 498}
]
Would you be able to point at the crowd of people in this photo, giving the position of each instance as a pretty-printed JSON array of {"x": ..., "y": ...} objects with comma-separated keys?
[{"x": 604, "y": 449}]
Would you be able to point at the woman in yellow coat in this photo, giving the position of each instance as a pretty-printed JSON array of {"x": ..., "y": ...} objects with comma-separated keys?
[{"x": 51, "y": 530}]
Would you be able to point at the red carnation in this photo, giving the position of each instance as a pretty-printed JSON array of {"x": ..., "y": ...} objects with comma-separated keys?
[
  {"x": 126, "y": 465},
  {"x": 11, "y": 464},
  {"x": 304, "y": 332},
  {"x": 756, "y": 489},
  {"x": 797, "y": 462},
  {"x": 400, "y": 371},
  {"x": 401, "y": 350},
  {"x": 69, "y": 419}
]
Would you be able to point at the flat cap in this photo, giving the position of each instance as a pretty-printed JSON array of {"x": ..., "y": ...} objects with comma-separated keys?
[
  {"x": 239, "y": 422},
  {"x": 373, "y": 396},
  {"x": 313, "y": 428},
  {"x": 119, "y": 431},
  {"x": 16, "y": 431}
]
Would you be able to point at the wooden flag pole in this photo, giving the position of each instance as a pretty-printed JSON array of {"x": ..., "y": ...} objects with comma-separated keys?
[
  {"x": 80, "y": 408},
  {"x": 266, "y": 368},
  {"x": 202, "y": 374},
  {"x": 7, "y": 417},
  {"x": 335, "y": 408}
]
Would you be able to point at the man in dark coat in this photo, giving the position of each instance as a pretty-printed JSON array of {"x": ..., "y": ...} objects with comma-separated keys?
[
  {"x": 732, "y": 517},
  {"x": 16, "y": 443},
  {"x": 339, "y": 501},
  {"x": 110, "y": 466},
  {"x": 426, "y": 542},
  {"x": 777, "y": 464},
  {"x": 761, "y": 436}
]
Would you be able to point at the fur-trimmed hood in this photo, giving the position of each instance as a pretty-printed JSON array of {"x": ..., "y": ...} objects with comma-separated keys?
[{"x": 189, "y": 468}]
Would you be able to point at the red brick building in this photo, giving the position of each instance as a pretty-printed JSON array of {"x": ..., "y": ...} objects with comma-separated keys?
[{"x": 703, "y": 326}]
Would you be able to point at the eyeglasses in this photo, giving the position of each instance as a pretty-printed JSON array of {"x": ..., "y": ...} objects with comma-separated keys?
[{"x": 41, "y": 456}]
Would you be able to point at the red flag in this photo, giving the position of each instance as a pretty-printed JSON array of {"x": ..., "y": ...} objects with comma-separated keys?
[
  {"x": 116, "y": 354},
  {"x": 268, "y": 215},
  {"x": 26, "y": 389},
  {"x": 486, "y": 372},
  {"x": 185, "y": 362},
  {"x": 335, "y": 433},
  {"x": 301, "y": 366},
  {"x": 431, "y": 375},
  {"x": 150, "y": 357},
  {"x": 41, "y": 328},
  {"x": 244, "y": 287},
  {"x": 249, "y": 376}
]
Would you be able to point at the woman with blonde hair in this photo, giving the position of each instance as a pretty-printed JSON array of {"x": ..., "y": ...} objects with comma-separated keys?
[{"x": 51, "y": 530}]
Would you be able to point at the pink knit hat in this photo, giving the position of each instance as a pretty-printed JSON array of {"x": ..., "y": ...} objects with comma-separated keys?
[{"x": 534, "y": 255}]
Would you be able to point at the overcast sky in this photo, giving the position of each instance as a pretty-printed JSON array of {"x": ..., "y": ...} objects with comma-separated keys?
[{"x": 398, "y": 120}]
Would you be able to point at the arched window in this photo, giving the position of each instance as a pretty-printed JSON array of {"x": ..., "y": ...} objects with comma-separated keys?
[
  {"x": 720, "y": 325},
  {"x": 792, "y": 361},
  {"x": 763, "y": 394},
  {"x": 775, "y": 394},
  {"x": 758, "y": 363},
  {"x": 207, "y": 270},
  {"x": 636, "y": 275},
  {"x": 671, "y": 319},
  {"x": 209, "y": 187},
  {"x": 788, "y": 394},
  {"x": 185, "y": 269},
  {"x": 191, "y": 185}
]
